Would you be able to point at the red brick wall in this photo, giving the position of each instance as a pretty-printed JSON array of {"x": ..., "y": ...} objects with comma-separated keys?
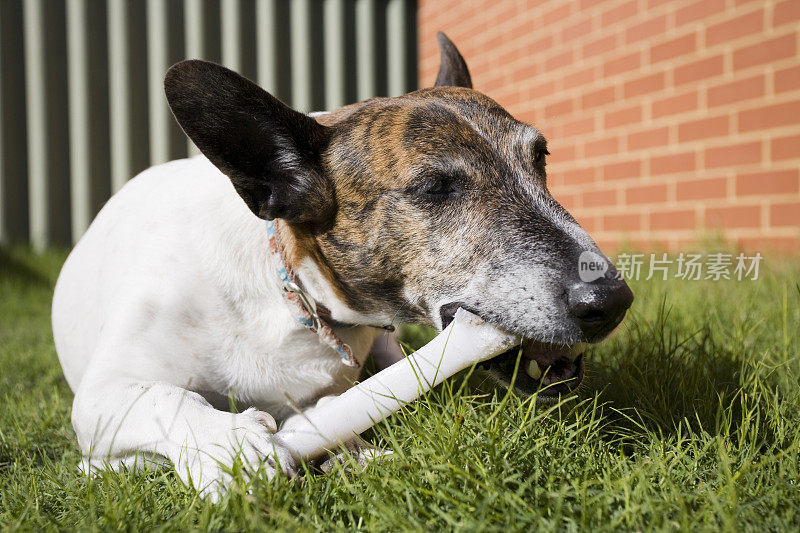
[{"x": 666, "y": 119}]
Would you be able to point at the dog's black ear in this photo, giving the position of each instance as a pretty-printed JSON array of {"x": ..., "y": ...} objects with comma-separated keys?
[
  {"x": 453, "y": 71},
  {"x": 270, "y": 152}
]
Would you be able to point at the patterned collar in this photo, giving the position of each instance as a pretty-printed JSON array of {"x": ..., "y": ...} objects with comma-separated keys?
[{"x": 309, "y": 314}]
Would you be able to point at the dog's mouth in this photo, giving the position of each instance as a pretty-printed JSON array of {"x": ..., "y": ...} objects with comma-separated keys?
[{"x": 549, "y": 369}]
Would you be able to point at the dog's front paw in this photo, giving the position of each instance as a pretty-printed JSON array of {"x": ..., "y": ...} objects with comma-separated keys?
[
  {"x": 360, "y": 450},
  {"x": 208, "y": 465}
]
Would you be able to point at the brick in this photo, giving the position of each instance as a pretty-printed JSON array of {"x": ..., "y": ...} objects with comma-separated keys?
[
  {"x": 787, "y": 79},
  {"x": 698, "y": 70},
  {"x": 564, "y": 153},
  {"x": 627, "y": 222},
  {"x": 675, "y": 104},
  {"x": 786, "y": 114},
  {"x": 775, "y": 182},
  {"x": 736, "y": 91},
  {"x": 578, "y": 30},
  {"x": 672, "y": 164},
  {"x": 585, "y": 4},
  {"x": 579, "y": 127},
  {"x": 555, "y": 179},
  {"x": 599, "y": 198},
  {"x": 579, "y": 176},
  {"x": 625, "y": 169},
  {"x": 703, "y": 189},
  {"x": 536, "y": 47},
  {"x": 599, "y": 46},
  {"x": 604, "y": 146},
  {"x": 618, "y": 13},
  {"x": 673, "y": 219},
  {"x": 582, "y": 77},
  {"x": 786, "y": 12},
  {"x": 768, "y": 244},
  {"x": 732, "y": 155},
  {"x": 622, "y": 64},
  {"x": 644, "y": 85},
  {"x": 785, "y": 147},
  {"x": 729, "y": 30},
  {"x": 703, "y": 129},
  {"x": 567, "y": 200},
  {"x": 765, "y": 52},
  {"x": 525, "y": 73},
  {"x": 554, "y": 15},
  {"x": 647, "y": 194},
  {"x": 647, "y": 29},
  {"x": 743, "y": 216},
  {"x": 698, "y": 11},
  {"x": 673, "y": 48},
  {"x": 648, "y": 139},
  {"x": 558, "y": 61},
  {"x": 623, "y": 117},
  {"x": 785, "y": 214},
  {"x": 543, "y": 89},
  {"x": 597, "y": 98},
  {"x": 559, "y": 108}
]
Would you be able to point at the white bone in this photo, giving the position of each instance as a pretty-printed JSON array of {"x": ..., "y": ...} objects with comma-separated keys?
[{"x": 466, "y": 341}]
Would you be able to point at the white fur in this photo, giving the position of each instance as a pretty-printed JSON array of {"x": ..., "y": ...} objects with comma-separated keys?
[{"x": 168, "y": 306}]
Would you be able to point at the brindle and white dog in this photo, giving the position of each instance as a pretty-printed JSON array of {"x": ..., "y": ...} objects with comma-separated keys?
[{"x": 393, "y": 210}]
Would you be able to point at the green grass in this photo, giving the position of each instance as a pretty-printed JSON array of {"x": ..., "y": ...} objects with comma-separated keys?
[{"x": 689, "y": 419}]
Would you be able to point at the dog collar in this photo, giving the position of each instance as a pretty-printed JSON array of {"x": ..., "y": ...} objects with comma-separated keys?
[{"x": 307, "y": 310}]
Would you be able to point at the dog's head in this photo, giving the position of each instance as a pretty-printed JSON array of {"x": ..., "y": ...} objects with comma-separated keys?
[{"x": 411, "y": 207}]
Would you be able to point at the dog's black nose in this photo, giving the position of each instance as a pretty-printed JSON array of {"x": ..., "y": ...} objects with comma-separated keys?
[{"x": 599, "y": 306}]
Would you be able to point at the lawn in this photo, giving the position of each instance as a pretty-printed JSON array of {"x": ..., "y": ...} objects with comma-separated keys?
[{"x": 689, "y": 419}]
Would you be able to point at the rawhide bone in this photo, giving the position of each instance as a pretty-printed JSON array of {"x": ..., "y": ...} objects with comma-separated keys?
[{"x": 466, "y": 341}]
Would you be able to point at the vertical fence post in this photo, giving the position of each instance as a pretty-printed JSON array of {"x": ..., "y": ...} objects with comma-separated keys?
[
  {"x": 79, "y": 137},
  {"x": 366, "y": 85},
  {"x": 300, "y": 20},
  {"x": 194, "y": 21},
  {"x": 35, "y": 83},
  {"x": 396, "y": 47},
  {"x": 335, "y": 74},
  {"x": 119, "y": 98},
  {"x": 267, "y": 44},
  {"x": 231, "y": 27},
  {"x": 157, "y": 64}
]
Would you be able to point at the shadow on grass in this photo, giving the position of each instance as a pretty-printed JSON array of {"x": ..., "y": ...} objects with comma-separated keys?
[
  {"x": 657, "y": 377},
  {"x": 14, "y": 267}
]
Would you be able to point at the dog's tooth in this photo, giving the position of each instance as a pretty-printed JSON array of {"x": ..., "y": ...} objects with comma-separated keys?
[{"x": 532, "y": 369}]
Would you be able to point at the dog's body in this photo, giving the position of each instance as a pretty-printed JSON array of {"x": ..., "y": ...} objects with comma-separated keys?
[{"x": 393, "y": 210}]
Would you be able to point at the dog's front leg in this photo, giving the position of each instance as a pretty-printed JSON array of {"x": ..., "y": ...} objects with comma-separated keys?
[{"x": 117, "y": 419}]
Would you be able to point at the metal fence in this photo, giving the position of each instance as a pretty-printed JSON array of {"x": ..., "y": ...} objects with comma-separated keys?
[{"x": 82, "y": 107}]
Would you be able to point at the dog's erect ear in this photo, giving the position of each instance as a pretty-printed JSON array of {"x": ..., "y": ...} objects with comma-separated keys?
[
  {"x": 453, "y": 71},
  {"x": 269, "y": 151}
]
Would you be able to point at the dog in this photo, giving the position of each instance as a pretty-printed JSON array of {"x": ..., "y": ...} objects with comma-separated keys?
[{"x": 178, "y": 300}]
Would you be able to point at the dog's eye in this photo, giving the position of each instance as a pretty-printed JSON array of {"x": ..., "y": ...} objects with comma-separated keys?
[
  {"x": 439, "y": 188},
  {"x": 538, "y": 157}
]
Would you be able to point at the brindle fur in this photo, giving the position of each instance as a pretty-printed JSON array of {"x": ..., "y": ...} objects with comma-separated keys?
[{"x": 498, "y": 242}]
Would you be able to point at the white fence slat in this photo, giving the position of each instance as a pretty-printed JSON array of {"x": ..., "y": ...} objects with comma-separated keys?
[
  {"x": 335, "y": 67},
  {"x": 300, "y": 19},
  {"x": 79, "y": 135},
  {"x": 157, "y": 65},
  {"x": 365, "y": 49},
  {"x": 36, "y": 98}
]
